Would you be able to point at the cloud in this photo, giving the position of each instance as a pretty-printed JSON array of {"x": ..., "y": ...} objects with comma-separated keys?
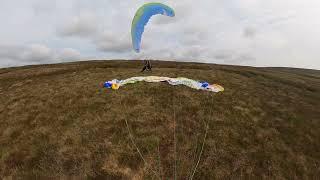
[
  {"x": 281, "y": 19},
  {"x": 223, "y": 55},
  {"x": 69, "y": 54},
  {"x": 36, "y": 53},
  {"x": 41, "y": 7},
  {"x": 228, "y": 56},
  {"x": 247, "y": 32},
  {"x": 30, "y": 53},
  {"x": 83, "y": 25},
  {"x": 240, "y": 59},
  {"x": 108, "y": 42},
  {"x": 162, "y": 20},
  {"x": 10, "y": 51},
  {"x": 13, "y": 55}
]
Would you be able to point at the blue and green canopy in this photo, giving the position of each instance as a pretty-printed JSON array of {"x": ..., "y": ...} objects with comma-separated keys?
[{"x": 142, "y": 17}]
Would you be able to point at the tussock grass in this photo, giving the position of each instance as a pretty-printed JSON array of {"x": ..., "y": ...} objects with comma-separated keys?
[{"x": 55, "y": 122}]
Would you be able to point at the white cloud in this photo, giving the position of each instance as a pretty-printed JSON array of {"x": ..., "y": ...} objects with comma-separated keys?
[
  {"x": 13, "y": 55},
  {"x": 83, "y": 25},
  {"x": 36, "y": 53},
  {"x": 249, "y": 32},
  {"x": 30, "y": 53},
  {"x": 107, "y": 42},
  {"x": 246, "y": 32},
  {"x": 69, "y": 54}
]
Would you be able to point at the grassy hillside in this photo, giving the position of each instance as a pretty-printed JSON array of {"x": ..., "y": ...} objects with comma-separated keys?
[{"x": 56, "y": 122}]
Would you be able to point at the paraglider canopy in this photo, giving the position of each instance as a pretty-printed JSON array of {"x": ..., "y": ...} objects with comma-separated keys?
[{"x": 142, "y": 17}]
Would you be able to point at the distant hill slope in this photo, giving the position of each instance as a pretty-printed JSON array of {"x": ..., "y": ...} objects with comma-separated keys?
[{"x": 56, "y": 122}]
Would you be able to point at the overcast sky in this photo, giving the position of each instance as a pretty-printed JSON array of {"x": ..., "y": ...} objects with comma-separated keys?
[{"x": 239, "y": 32}]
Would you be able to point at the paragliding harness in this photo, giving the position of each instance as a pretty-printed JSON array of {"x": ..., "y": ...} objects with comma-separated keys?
[{"x": 147, "y": 66}]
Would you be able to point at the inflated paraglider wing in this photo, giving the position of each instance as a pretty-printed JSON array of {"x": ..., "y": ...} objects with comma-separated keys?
[{"x": 142, "y": 17}]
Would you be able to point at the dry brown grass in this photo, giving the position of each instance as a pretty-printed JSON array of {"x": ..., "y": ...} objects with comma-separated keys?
[{"x": 55, "y": 122}]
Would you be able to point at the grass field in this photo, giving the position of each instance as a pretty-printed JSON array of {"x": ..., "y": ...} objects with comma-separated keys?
[{"x": 55, "y": 122}]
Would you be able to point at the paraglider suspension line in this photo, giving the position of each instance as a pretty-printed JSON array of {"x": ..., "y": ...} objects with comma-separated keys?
[{"x": 138, "y": 150}]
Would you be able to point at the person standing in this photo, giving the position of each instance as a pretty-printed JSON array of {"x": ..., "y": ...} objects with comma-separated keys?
[{"x": 147, "y": 66}]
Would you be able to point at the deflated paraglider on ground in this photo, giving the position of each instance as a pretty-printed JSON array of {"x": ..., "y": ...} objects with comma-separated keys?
[{"x": 199, "y": 85}]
